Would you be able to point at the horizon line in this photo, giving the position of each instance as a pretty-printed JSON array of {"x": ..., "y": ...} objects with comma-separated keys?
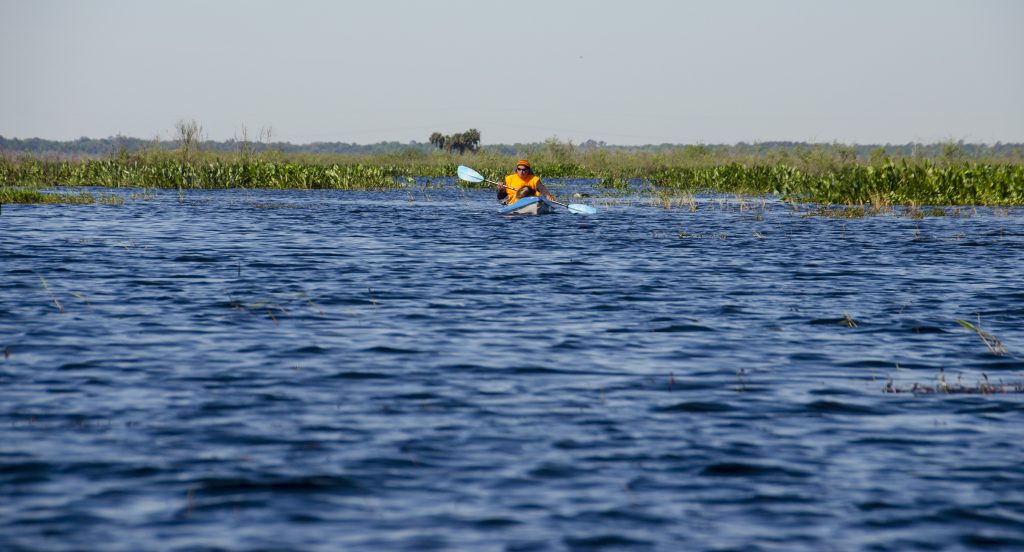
[{"x": 600, "y": 143}]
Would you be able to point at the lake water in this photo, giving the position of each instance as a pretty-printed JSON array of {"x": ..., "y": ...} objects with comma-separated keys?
[{"x": 410, "y": 371}]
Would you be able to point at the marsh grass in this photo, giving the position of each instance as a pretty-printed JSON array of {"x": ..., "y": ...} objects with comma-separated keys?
[
  {"x": 913, "y": 212},
  {"x": 200, "y": 172},
  {"x": 838, "y": 212},
  {"x": 56, "y": 302},
  {"x": 275, "y": 307},
  {"x": 982, "y": 386},
  {"x": 23, "y": 195},
  {"x": 145, "y": 195},
  {"x": 669, "y": 201},
  {"x": 824, "y": 175},
  {"x": 991, "y": 341},
  {"x": 111, "y": 199}
]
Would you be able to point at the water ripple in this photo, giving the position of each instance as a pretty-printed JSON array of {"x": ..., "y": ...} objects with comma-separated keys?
[{"x": 323, "y": 370}]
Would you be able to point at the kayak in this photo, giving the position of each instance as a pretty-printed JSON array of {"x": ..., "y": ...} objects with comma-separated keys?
[
  {"x": 533, "y": 205},
  {"x": 527, "y": 206}
]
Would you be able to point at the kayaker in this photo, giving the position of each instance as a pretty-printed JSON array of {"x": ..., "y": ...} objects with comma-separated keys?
[{"x": 522, "y": 183}]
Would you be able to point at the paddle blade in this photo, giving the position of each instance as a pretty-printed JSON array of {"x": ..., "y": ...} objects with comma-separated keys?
[
  {"x": 469, "y": 175},
  {"x": 579, "y": 209}
]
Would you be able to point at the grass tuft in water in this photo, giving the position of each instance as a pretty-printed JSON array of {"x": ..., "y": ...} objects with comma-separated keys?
[
  {"x": 942, "y": 387},
  {"x": 26, "y": 195},
  {"x": 56, "y": 302},
  {"x": 991, "y": 341}
]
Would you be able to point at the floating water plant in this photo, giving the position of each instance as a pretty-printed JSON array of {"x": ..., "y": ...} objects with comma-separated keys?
[
  {"x": 982, "y": 387},
  {"x": 991, "y": 341},
  {"x": 275, "y": 307},
  {"x": 56, "y": 302},
  {"x": 24, "y": 195},
  {"x": 839, "y": 212}
]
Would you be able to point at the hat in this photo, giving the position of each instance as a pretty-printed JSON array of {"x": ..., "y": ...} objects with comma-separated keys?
[{"x": 523, "y": 162}]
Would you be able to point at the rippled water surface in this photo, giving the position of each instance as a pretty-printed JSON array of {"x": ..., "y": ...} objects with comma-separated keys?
[{"x": 411, "y": 371}]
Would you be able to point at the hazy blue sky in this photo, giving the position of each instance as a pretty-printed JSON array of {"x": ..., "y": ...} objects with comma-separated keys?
[{"x": 625, "y": 72}]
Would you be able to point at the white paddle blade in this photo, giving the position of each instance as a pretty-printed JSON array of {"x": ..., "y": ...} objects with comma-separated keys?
[
  {"x": 469, "y": 174},
  {"x": 579, "y": 209}
]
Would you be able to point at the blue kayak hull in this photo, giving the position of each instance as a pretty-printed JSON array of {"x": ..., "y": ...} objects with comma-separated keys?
[{"x": 534, "y": 205}]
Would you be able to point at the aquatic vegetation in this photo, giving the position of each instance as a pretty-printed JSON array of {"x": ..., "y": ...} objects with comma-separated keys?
[
  {"x": 166, "y": 172},
  {"x": 830, "y": 176},
  {"x": 982, "y": 387},
  {"x": 923, "y": 183},
  {"x": 991, "y": 341},
  {"x": 614, "y": 183},
  {"x": 18, "y": 194},
  {"x": 280, "y": 305},
  {"x": 145, "y": 195},
  {"x": 56, "y": 302},
  {"x": 841, "y": 212},
  {"x": 670, "y": 201}
]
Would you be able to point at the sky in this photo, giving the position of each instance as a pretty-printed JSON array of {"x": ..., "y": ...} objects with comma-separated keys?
[{"x": 622, "y": 72}]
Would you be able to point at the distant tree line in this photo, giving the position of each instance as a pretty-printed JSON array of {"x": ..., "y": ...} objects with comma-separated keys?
[
  {"x": 460, "y": 142},
  {"x": 470, "y": 141},
  {"x": 857, "y": 151},
  {"x": 104, "y": 147}
]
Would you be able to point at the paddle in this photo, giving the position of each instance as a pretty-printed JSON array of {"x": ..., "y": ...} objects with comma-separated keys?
[{"x": 469, "y": 175}]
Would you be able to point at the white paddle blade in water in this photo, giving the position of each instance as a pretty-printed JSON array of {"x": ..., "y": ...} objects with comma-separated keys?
[
  {"x": 581, "y": 209},
  {"x": 469, "y": 174}
]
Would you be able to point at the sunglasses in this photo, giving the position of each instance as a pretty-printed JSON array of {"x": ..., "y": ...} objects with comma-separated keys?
[{"x": 522, "y": 168}]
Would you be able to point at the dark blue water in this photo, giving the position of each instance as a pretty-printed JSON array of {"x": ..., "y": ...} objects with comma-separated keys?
[{"x": 409, "y": 371}]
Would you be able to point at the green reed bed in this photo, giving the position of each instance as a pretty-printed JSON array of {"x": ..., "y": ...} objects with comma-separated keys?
[
  {"x": 213, "y": 174},
  {"x": 826, "y": 178},
  {"x": 922, "y": 183}
]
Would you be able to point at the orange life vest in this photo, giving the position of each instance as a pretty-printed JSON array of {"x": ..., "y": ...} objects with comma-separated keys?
[{"x": 516, "y": 183}]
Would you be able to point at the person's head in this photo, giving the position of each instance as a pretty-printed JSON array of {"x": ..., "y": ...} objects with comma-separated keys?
[{"x": 523, "y": 168}]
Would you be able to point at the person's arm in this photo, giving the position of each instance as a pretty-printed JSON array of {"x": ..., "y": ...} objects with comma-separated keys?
[{"x": 542, "y": 191}]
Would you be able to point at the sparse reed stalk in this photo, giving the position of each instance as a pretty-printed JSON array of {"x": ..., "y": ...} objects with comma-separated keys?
[
  {"x": 982, "y": 387},
  {"x": 991, "y": 341},
  {"x": 56, "y": 302}
]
